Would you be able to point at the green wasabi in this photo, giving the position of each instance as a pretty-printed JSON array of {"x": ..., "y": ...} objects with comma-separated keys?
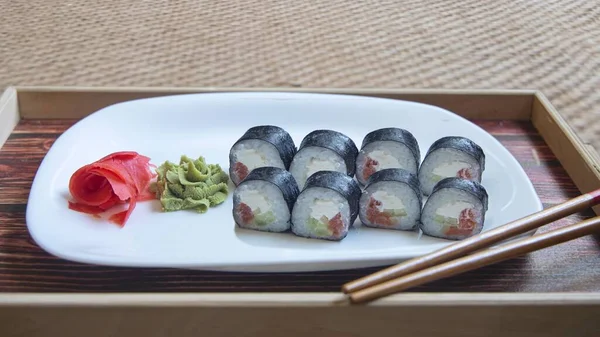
[{"x": 192, "y": 184}]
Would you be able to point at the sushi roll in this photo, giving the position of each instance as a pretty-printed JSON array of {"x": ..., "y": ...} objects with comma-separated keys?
[
  {"x": 392, "y": 199},
  {"x": 455, "y": 210},
  {"x": 451, "y": 157},
  {"x": 327, "y": 206},
  {"x": 260, "y": 146},
  {"x": 264, "y": 200},
  {"x": 387, "y": 148},
  {"x": 323, "y": 150}
]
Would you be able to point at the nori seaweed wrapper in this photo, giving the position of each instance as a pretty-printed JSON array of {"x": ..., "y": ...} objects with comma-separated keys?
[
  {"x": 336, "y": 142},
  {"x": 462, "y": 144},
  {"x": 278, "y": 177},
  {"x": 336, "y": 181},
  {"x": 472, "y": 187},
  {"x": 274, "y": 135}
]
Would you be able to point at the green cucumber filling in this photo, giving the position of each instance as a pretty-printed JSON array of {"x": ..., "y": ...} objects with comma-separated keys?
[
  {"x": 263, "y": 219},
  {"x": 435, "y": 178},
  {"x": 319, "y": 227},
  {"x": 446, "y": 220},
  {"x": 395, "y": 212}
]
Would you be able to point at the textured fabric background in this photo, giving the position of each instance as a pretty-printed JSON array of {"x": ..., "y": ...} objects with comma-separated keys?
[{"x": 549, "y": 45}]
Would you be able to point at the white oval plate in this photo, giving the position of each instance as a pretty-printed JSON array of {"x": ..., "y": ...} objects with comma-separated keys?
[{"x": 208, "y": 124}]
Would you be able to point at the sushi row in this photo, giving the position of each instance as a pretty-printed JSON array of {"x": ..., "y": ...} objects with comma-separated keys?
[
  {"x": 328, "y": 150},
  {"x": 267, "y": 145},
  {"x": 269, "y": 199},
  {"x": 311, "y": 190}
]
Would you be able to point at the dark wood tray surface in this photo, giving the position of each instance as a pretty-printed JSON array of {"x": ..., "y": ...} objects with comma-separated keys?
[{"x": 24, "y": 267}]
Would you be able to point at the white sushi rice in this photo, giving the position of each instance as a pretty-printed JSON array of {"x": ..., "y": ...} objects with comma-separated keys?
[
  {"x": 388, "y": 154},
  {"x": 313, "y": 159},
  {"x": 448, "y": 202},
  {"x": 445, "y": 162},
  {"x": 392, "y": 194},
  {"x": 255, "y": 153},
  {"x": 258, "y": 194},
  {"x": 317, "y": 202}
]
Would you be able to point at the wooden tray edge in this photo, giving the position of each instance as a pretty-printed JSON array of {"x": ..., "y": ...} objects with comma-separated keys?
[
  {"x": 74, "y": 102},
  {"x": 9, "y": 114},
  {"x": 581, "y": 161},
  {"x": 293, "y": 299},
  {"x": 296, "y": 315}
]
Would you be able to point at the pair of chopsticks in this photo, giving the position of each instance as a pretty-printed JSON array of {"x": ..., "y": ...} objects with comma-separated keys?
[{"x": 454, "y": 259}]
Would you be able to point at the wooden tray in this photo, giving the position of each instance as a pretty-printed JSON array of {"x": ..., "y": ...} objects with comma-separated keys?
[{"x": 547, "y": 293}]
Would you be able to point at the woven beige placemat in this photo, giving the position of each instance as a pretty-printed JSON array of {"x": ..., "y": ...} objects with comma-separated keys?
[{"x": 549, "y": 45}]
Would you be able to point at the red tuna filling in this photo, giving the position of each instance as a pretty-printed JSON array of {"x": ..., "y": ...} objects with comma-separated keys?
[
  {"x": 464, "y": 173},
  {"x": 377, "y": 217},
  {"x": 336, "y": 225},
  {"x": 370, "y": 168},
  {"x": 240, "y": 170},
  {"x": 245, "y": 213},
  {"x": 466, "y": 223}
]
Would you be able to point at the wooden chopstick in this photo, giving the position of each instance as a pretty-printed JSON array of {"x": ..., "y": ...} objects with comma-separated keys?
[
  {"x": 480, "y": 259},
  {"x": 477, "y": 242}
]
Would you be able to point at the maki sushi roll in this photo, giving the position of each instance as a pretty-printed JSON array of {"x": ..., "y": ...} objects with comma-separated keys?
[
  {"x": 323, "y": 150},
  {"x": 264, "y": 200},
  {"x": 327, "y": 206},
  {"x": 387, "y": 148},
  {"x": 451, "y": 157},
  {"x": 260, "y": 146},
  {"x": 455, "y": 210},
  {"x": 392, "y": 199}
]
